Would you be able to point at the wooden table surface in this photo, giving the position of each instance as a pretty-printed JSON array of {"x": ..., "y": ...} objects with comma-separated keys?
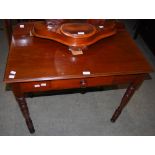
[{"x": 36, "y": 59}]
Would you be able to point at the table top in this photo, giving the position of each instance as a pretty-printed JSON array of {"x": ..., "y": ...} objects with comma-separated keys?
[{"x": 36, "y": 59}]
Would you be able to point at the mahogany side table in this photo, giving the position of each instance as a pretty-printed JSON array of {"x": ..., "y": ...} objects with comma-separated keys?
[{"x": 36, "y": 64}]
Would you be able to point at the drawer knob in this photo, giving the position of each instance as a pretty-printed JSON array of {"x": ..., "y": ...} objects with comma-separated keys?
[{"x": 83, "y": 83}]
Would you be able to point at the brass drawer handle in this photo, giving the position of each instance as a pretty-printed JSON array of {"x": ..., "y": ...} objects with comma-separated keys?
[{"x": 83, "y": 83}]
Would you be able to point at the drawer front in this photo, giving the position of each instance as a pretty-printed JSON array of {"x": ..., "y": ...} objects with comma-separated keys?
[
  {"x": 81, "y": 83},
  {"x": 65, "y": 84},
  {"x": 35, "y": 86},
  {"x": 74, "y": 83}
]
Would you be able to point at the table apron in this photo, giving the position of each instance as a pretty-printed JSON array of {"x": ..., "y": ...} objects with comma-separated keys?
[{"x": 86, "y": 82}]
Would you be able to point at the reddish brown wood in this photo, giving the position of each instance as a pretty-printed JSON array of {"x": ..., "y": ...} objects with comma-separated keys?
[
  {"x": 36, "y": 61},
  {"x": 68, "y": 33},
  {"x": 72, "y": 30},
  {"x": 8, "y": 30},
  {"x": 36, "y": 86},
  {"x": 76, "y": 83},
  {"x": 127, "y": 96},
  {"x": 20, "y": 98}
]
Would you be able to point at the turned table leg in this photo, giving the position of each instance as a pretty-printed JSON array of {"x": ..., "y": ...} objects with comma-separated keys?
[
  {"x": 20, "y": 98},
  {"x": 24, "y": 109},
  {"x": 127, "y": 96}
]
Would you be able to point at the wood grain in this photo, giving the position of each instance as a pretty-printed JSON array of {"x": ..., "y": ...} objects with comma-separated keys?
[
  {"x": 62, "y": 33},
  {"x": 36, "y": 59}
]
